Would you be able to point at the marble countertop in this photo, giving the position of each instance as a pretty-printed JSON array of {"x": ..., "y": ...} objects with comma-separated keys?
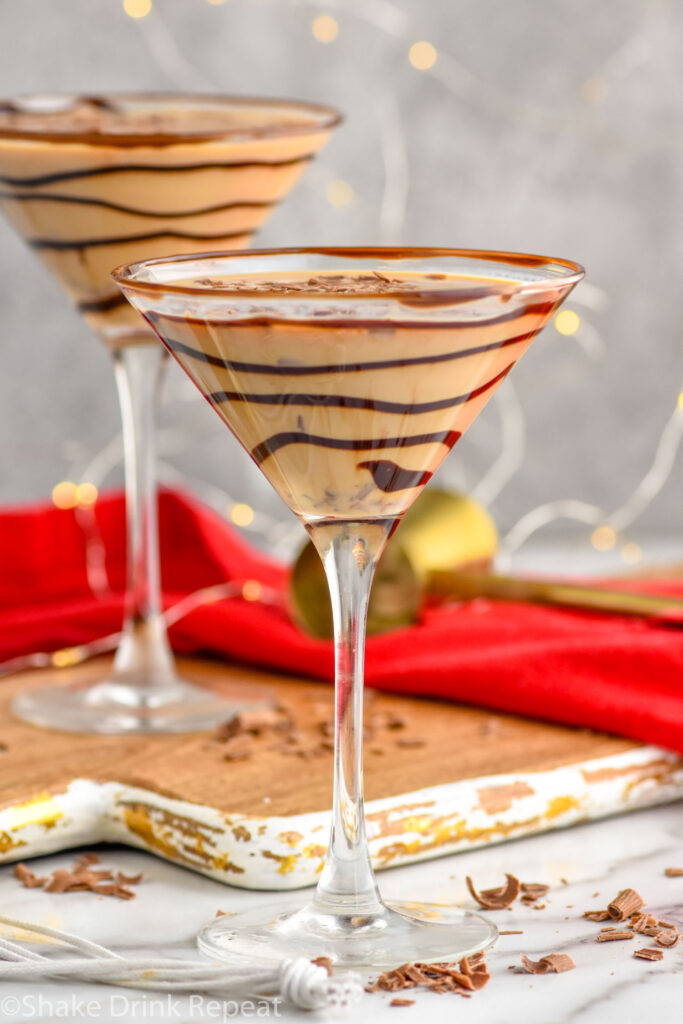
[{"x": 608, "y": 985}]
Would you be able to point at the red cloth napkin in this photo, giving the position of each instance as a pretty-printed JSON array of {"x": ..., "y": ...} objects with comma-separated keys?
[{"x": 62, "y": 577}]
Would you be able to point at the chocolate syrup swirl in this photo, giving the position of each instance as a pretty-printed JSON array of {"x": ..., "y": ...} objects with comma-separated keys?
[
  {"x": 273, "y": 444},
  {"x": 327, "y": 368},
  {"x": 389, "y": 477},
  {"x": 354, "y": 402},
  {"x": 54, "y": 197},
  {"x": 63, "y": 245},
  {"x": 91, "y": 172}
]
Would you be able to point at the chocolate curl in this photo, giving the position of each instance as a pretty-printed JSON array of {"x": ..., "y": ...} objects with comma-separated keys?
[
  {"x": 553, "y": 963},
  {"x": 613, "y": 936},
  {"x": 667, "y": 937},
  {"x": 496, "y": 899},
  {"x": 626, "y": 903},
  {"x": 647, "y": 953}
]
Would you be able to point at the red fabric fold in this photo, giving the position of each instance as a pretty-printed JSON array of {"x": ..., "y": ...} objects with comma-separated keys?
[{"x": 61, "y": 583}]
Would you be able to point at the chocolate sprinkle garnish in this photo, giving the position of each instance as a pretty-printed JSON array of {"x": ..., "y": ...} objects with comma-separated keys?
[
  {"x": 553, "y": 963},
  {"x": 496, "y": 899}
]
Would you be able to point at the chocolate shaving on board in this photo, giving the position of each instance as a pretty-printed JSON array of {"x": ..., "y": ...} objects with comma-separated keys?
[
  {"x": 552, "y": 963},
  {"x": 647, "y": 953},
  {"x": 613, "y": 936},
  {"x": 496, "y": 899},
  {"x": 626, "y": 903}
]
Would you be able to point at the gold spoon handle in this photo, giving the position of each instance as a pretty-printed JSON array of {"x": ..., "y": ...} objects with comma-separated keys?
[{"x": 449, "y": 583}]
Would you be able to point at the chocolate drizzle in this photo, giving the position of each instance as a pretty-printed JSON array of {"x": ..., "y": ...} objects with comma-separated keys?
[
  {"x": 92, "y": 172},
  {"x": 101, "y": 305},
  {"x": 354, "y": 402},
  {"x": 63, "y": 245},
  {"x": 327, "y": 368},
  {"x": 53, "y": 197},
  {"x": 389, "y": 477},
  {"x": 273, "y": 444}
]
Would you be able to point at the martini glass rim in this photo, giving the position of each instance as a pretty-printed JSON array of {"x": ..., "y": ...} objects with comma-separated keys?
[
  {"x": 322, "y": 118},
  {"x": 568, "y": 272}
]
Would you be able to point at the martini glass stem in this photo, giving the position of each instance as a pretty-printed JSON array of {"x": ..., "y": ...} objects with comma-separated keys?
[
  {"x": 349, "y": 552},
  {"x": 144, "y": 651}
]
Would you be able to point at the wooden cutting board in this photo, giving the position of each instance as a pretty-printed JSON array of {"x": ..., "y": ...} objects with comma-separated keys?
[{"x": 448, "y": 779}]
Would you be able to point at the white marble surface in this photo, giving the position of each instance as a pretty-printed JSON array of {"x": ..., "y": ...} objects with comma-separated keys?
[{"x": 609, "y": 984}]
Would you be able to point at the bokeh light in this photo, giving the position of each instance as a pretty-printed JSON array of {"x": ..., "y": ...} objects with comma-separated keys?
[{"x": 422, "y": 55}]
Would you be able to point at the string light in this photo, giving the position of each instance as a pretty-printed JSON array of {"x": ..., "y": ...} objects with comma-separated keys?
[
  {"x": 603, "y": 538},
  {"x": 339, "y": 193},
  {"x": 567, "y": 322},
  {"x": 422, "y": 55},
  {"x": 631, "y": 553},
  {"x": 251, "y": 590},
  {"x": 65, "y": 494},
  {"x": 325, "y": 28},
  {"x": 137, "y": 8},
  {"x": 241, "y": 514},
  {"x": 86, "y": 494},
  {"x": 392, "y": 21}
]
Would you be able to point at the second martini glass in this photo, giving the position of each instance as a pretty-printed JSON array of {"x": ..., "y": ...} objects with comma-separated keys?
[
  {"x": 348, "y": 375},
  {"x": 90, "y": 181}
]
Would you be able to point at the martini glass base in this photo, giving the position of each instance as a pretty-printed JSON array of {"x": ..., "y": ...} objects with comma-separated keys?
[
  {"x": 399, "y": 933},
  {"x": 93, "y": 698}
]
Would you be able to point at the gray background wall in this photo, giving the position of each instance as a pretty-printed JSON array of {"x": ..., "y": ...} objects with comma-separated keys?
[{"x": 544, "y": 126}]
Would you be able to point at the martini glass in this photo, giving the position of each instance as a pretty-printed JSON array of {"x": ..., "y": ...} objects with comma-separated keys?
[
  {"x": 348, "y": 375},
  {"x": 90, "y": 181}
]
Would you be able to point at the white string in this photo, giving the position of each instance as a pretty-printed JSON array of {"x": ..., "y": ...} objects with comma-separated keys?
[{"x": 305, "y": 985}]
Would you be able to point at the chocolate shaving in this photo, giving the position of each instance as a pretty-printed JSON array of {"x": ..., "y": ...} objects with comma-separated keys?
[
  {"x": 496, "y": 899},
  {"x": 673, "y": 872},
  {"x": 470, "y": 975},
  {"x": 533, "y": 890},
  {"x": 402, "y": 1002},
  {"x": 324, "y": 961},
  {"x": 28, "y": 878},
  {"x": 238, "y": 748},
  {"x": 553, "y": 963},
  {"x": 647, "y": 953},
  {"x": 597, "y": 915},
  {"x": 511, "y": 932},
  {"x": 81, "y": 878},
  {"x": 613, "y": 936},
  {"x": 667, "y": 937},
  {"x": 253, "y": 723},
  {"x": 128, "y": 879},
  {"x": 645, "y": 924},
  {"x": 626, "y": 903}
]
